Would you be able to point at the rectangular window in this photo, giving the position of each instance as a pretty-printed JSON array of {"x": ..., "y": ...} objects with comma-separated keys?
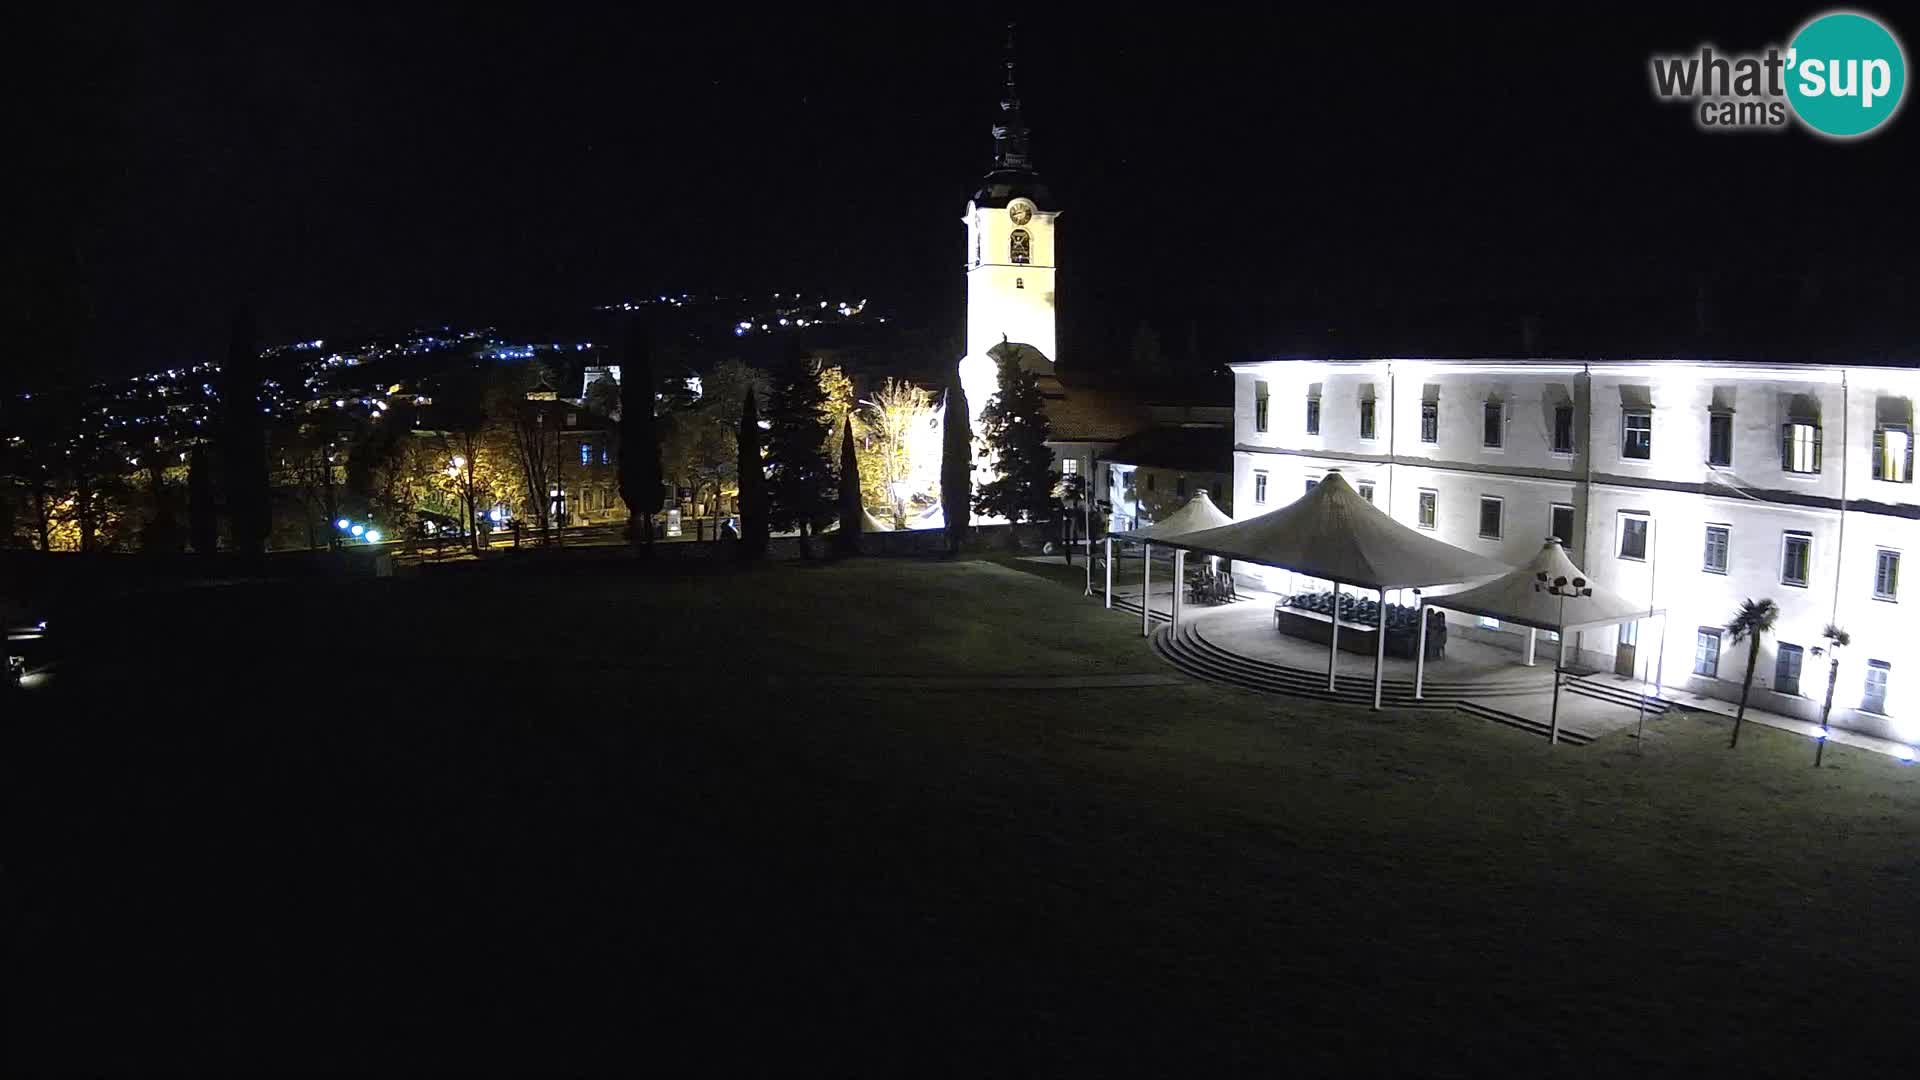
[
  {"x": 1488, "y": 622},
  {"x": 1150, "y": 481},
  {"x": 1886, "y": 575},
  {"x": 1493, "y": 426},
  {"x": 586, "y": 452},
  {"x": 1786, "y": 669},
  {"x": 1429, "y": 507},
  {"x": 1879, "y": 673},
  {"x": 1633, "y": 536},
  {"x": 1429, "y": 421},
  {"x": 1259, "y": 406},
  {"x": 1563, "y": 429},
  {"x": 1800, "y": 447},
  {"x": 1366, "y": 490},
  {"x": 1312, "y": 482},
  {"x": 1180, "y": 486},
  {"x": 1706, "y": 652},
  {"x": 1560, "y": 524},
  {"x": 1491, "y": 510},
  {"x": 1313, "y": 416},
  {"x": 1715, "y": 559},
  {"x": 1259, "y": 487},
  {"x": 1636, "y": 435},
  {"x": 1630, "y": 633},
  {"x": 603, "y": 453},
  {"x": 1366, "y": 419},
  {"x": 1720, "y": 439},
  {"x": 1893, "y": 454},
  {"x": 1069, "y": 466},
  {"x": 1796, "y": 557}
]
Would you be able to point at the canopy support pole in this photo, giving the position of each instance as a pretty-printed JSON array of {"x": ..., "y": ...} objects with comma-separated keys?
[
  {"x": 1640, "y": 726},
  {"x": 1559, "y": 665},
  {"x": 1660, "y": 657},
  {"x": 1109, "y": 590},
  {"x": 1420, "y": 655},
  {"x": 1380, "y": 650},
  {"x": 1179, "y": 580},
  {"x": 1146, "y": 588},
  {"x": 1532, "y": 636},
  {"x": 1333, "y": 648}
]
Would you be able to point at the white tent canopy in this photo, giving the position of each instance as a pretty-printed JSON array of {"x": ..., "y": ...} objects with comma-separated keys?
[
  {"x": 1199, "y": 513},
  {"x": 869, "y": 523},
  {"x": 1333, "y": 533},
  {"x": 1513, "y": 597}
]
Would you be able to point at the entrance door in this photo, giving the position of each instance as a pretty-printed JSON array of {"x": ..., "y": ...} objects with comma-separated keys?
[{"x": 1625, "y": 649}]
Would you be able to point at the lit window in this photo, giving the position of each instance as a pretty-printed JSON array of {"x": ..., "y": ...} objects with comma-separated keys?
[
  {"x": 1563, "y": 429},
  {"x": 1259, "y": 406},
  {"x": 1366, "y": 419},
  {"x": 1633, "y": 537},
  {"x": 1879, "y": 673},
  {"x": 1796, "y": 555},
  {"x": 1069, "y": 466},
  {"x": 1800, "y": 447},
  {"x": 1429, "y": 421},
  {"x": 1429, "y": 507},
  {"x": 1893, "y": 454},
  {"x": 1260, "y": 487},
  {"x": 1706, "y": 652},
  {"x": 1636, "y": 438},
  {"x": 1560, "y": 524},
  {"x": 1786, "y": 669},
  {"x": 1313, "y": 416},
  {"x": 1720, "y": 439},
  {"x": 1366, "y": 490},
  {"x": 1493, "y": 425},
  {"x": 1488, "y": 622},
  {"x": 1020, "y": 247},
  {"x": 586, "y": 452},
  {"x": 1886, "y": 575},
  {"x": 1491, "y": 507},
  {"x": 1715, "y": 559}
]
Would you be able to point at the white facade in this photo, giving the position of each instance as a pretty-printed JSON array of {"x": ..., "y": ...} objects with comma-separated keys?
[
  {"x": 1010, "y": 268},
  {"x": 1789, "y": 482}
]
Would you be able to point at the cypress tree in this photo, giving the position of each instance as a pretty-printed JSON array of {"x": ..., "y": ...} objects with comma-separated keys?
[
  {"x": 203, "y": 521},
  {"x": 799, "y": 479},
  {"x": 243, "y": 442},
  {"x": 639, "y": 466},
  {"x": 849, "y": 493},
  {"x": 753, "y": 482},
  {"x": 956, "y": 465},
  {"x": 1016, "y": 430}
]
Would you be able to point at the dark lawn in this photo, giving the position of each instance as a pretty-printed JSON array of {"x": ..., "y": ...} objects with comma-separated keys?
[{"x": 520, "y": 818}]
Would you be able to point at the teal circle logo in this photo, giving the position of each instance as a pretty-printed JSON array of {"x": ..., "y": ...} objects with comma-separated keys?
[{"x": 1845, "y": 74}]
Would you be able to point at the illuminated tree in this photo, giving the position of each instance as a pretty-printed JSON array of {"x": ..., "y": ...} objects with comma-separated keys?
[
  {"x": 898, "y": 419},
  {"x": 1752, "y": 622}
]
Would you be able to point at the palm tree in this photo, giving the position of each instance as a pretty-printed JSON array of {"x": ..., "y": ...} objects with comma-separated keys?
[
  {"x": 1837, "y": 639},
  {"x": 1752, "y": 622}
]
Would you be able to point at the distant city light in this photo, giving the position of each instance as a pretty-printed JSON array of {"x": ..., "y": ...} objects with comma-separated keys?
[
  {"x": 373, "y": 536},
  {"x": 359, "y": 530},
  {"x": 343, "y": 523}
]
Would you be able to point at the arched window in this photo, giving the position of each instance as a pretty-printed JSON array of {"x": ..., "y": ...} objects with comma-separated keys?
[
  {"x": 1019, "y": 283},
  {"x": 1021, "y": 245}
]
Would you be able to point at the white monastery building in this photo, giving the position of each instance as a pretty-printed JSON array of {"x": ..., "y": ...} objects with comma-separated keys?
[{"x": 1694, "y": 486}]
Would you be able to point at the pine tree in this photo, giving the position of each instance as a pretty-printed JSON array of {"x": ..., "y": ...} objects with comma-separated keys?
[
  {"x": 1015, "y": 427},
  {"x": 753, "y": 482},
  {"x": 639, "y": 467},
  {"x": 799, "y": 480},
  {"x": 956, "y": 466},
  {"x": 849, "y": 540},
  {"x": 243, "y": 442}
]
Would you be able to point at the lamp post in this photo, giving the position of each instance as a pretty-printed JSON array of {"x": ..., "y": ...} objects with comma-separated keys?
[
  {"x": 1837, "y": 639},
  {"x": 1559, "y": 586}
]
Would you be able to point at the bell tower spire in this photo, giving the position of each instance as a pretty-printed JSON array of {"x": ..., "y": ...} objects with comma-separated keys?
[{"x": 1010, "y": 129}]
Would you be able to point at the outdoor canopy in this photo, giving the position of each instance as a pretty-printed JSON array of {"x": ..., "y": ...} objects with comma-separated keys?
[
  {"x": 1199, "y": 513},
  {"x": 1333, "y": 533},
  {"x": 1513, "y": 598}
]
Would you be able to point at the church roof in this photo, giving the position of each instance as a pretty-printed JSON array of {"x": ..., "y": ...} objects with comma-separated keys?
[
  {"x": 1013, "y": 175},
  {"x": 1094, "y": 416},
  {"x": 1186, "y": 449}
]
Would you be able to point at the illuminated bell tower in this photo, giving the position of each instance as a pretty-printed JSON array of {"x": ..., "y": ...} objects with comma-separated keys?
[{"x": 1010, "y": 255}]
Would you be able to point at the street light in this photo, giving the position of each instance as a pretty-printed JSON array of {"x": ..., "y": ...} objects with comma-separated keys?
[
  {"x": 343, "y": 523},
  {"x": 1561, "y": 588}
]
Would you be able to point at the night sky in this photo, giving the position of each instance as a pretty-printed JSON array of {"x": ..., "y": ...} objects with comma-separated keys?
[{"x": 1347, "y": 179}]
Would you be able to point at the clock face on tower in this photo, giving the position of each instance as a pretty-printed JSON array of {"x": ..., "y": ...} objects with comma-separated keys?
[{"x": 1021, "y": 211}]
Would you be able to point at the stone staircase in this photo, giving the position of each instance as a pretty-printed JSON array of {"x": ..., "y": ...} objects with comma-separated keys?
[
  {"x": 1189, "y": 650},
  {"x": 1617, "y": 692}
]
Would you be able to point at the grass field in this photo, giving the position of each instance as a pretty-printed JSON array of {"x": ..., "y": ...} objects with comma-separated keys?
[{"x": 578, "y": 816}]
